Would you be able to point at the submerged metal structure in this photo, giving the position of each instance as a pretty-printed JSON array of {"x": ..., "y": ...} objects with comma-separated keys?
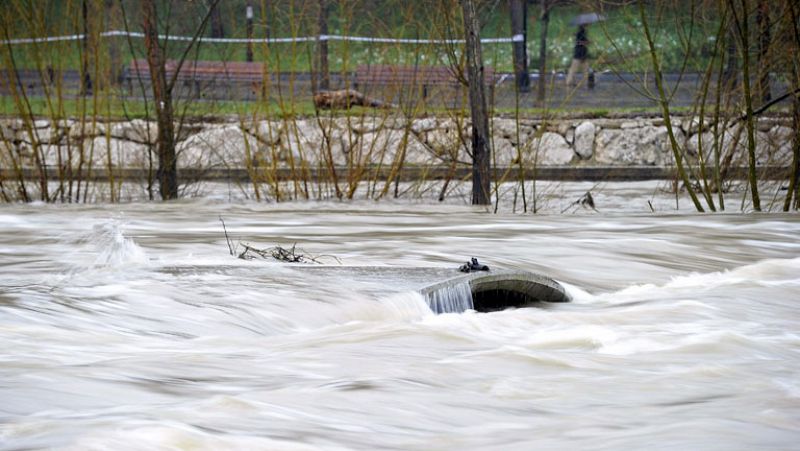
[
  {"x": 450, "y": 290},
  {"x": 446, "y": 290},
  {"x": 497, "y": 290}
]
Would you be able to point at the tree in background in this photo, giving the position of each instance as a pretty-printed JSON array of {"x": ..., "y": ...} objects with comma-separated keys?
[
  {"x": 764, "y": 37},
  {"x": 86, "y": 79},
  {"x": 792, "y": 27},
  {"x": 481, "y": 148},
  {"x": 324, "y": 70},
  {"x": 163, "y": 83},
  {"x": 217, "y": 26},
  {"x": 751, "y": 41}
]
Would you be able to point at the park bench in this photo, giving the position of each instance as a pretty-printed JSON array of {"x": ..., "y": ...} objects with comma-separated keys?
[
  {"x": 425, "y": 77},
  {"x": 203, "y": 76}
]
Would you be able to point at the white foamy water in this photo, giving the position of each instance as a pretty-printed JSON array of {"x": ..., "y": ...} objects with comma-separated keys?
[
  {"x": 451, "y": 299},
  {"x": 130, "y": 327}
]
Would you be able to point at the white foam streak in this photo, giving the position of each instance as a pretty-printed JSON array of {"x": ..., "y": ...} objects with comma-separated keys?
[
  {"x": 404, "y": 306},
  {"x": 177, "y": 436},
  {"x": 774, "y": 272}
]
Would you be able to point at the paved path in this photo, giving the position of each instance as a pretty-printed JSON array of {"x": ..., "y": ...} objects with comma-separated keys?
[{"x": 611, "y": 90}]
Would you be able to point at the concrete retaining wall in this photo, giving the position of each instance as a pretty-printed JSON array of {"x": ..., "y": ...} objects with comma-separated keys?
[{"x": 385, "y": 140}]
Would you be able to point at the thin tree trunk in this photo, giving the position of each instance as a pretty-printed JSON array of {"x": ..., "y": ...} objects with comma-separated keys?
[
  {"x": 167, "y": 174},
  {"x": 324, "y": 71},
  {"x": 481, "y": 149},
  {"x": 731, "y": 69},
  {"x": 543, "y": 52},
  {"x": 664, "y": 101},
  {"x": 763, "y": 21},
  {"x": 718, "y": 181},
  {"x": 266, "y": 7},
  {"x": 794, "y": 177},
  {"x": 217, "y": 25},
  {"x": 519, "y": 31},
  {"x": 86, "y": 79},
  {"x": 743, "y": 30}
]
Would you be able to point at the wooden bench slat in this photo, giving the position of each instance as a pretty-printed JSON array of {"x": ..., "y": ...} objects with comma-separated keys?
[{"x": 193, "y": 70}]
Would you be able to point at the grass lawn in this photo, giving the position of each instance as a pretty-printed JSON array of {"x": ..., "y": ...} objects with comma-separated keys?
[
  {"x": 118, "y": 108},
  {"x": 618, "y": 41}
]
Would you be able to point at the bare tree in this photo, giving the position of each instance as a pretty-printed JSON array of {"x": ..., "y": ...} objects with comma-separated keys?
[
  {"x": 481, "y": 148},
  {"x": 794, "y": 66},
  {"x": 740, "y": 21},
  {"x": 730, "y": 76},
  {"x": 764, "y": 37},
  {"x": 663, "y": 100},
  {"x": 217, "y": 26},
  {"x": 162, "y": 85},
  {"x": 324, "y": 71},
  {"x": 86, "y": 79}
]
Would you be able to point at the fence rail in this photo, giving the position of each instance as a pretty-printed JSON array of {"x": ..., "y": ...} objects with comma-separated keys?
[{"x": 294, "y": 39}]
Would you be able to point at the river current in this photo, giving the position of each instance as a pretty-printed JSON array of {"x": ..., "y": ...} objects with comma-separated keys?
[{"x": 130, "y": 326}]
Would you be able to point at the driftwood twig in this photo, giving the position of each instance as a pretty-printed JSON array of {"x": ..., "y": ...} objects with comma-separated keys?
[
  {"x": 231, "y": 248},
  {"x": 291, "y": 255},
  {"x": 585, "y": 201}
]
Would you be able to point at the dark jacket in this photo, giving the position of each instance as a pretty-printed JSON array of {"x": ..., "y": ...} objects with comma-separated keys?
[{"x": 581, "y": 44}]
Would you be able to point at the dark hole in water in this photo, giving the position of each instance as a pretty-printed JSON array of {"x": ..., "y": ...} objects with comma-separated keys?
[{"x": 499, "y": 299}]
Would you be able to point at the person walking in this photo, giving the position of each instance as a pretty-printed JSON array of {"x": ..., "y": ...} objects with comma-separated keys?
[{"x": 580, "y": 58}]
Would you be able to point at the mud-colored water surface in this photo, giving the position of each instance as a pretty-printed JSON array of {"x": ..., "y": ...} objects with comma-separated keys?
[{"x": 131, "y": 327}]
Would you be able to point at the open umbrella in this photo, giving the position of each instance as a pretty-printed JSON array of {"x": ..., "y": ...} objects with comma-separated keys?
[{"x": 586, "y": 19}]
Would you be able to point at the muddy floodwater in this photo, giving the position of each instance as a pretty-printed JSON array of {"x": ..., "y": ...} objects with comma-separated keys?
[{"x": 129, "y": 326}]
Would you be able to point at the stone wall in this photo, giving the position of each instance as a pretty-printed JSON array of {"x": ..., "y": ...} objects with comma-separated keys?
[{"x": 384, "y": 140}]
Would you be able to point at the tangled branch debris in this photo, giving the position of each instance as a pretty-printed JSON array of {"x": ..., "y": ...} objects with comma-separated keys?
[
  {"x": 278, "y": 253},
  {"x": 586, "y": 201}
]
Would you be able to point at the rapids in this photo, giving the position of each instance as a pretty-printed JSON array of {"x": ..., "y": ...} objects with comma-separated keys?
[{"x": 129, "y": 326}]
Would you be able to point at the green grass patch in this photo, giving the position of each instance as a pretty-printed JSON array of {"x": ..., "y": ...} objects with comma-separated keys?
[
  {"x": 616, "y": 42},
  {"x": 119, "y": 108},
  {"x": 116, "y": 108}
]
